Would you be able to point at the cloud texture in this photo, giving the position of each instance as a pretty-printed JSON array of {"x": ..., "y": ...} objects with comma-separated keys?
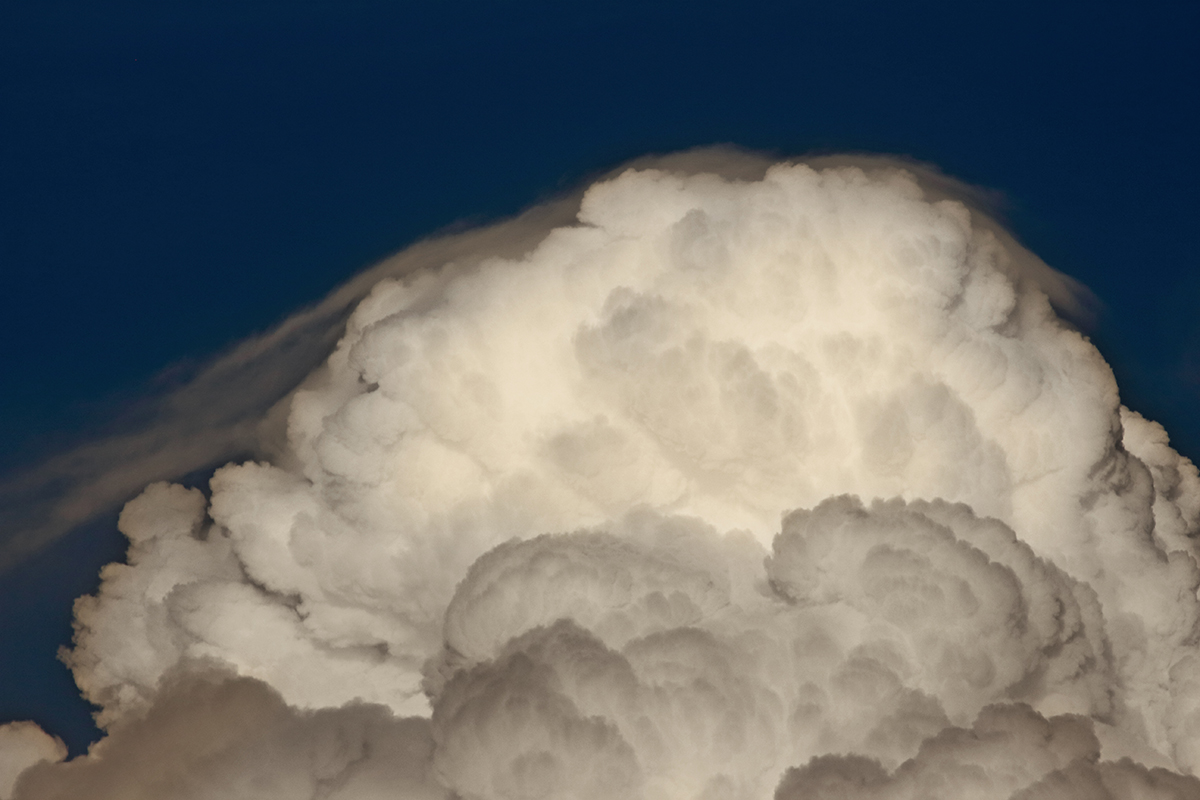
[{"x": 780, "y": 482}]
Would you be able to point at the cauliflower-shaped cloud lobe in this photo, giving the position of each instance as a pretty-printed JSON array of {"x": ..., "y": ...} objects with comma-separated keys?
[{"x": 769, "y": 481}]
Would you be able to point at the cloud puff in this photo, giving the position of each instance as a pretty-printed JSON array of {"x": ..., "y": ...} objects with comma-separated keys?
[
  {"x": 603, "y": 513},
  {"x": 1009, "y": 752},
  {"x": 210, "y": 735},
  {"x": 974, "y": 610},
  {"x": 24, "y": 745}
]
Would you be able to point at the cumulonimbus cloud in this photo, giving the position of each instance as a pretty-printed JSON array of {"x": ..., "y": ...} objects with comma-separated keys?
[{"x": 750, "y": 481}]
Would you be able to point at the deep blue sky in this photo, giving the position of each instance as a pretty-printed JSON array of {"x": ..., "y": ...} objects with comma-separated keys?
[{"x": 174, "y": 177}]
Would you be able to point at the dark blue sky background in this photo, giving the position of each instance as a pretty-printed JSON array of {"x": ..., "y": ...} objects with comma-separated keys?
[{"x": 176, "y": 176}]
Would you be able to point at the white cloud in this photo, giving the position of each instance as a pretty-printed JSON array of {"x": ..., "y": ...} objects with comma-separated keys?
[{"x": 535, "y": 496}]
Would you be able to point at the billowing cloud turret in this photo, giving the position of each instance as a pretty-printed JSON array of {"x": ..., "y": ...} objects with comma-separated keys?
[{"x": 787, "y": 482}]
